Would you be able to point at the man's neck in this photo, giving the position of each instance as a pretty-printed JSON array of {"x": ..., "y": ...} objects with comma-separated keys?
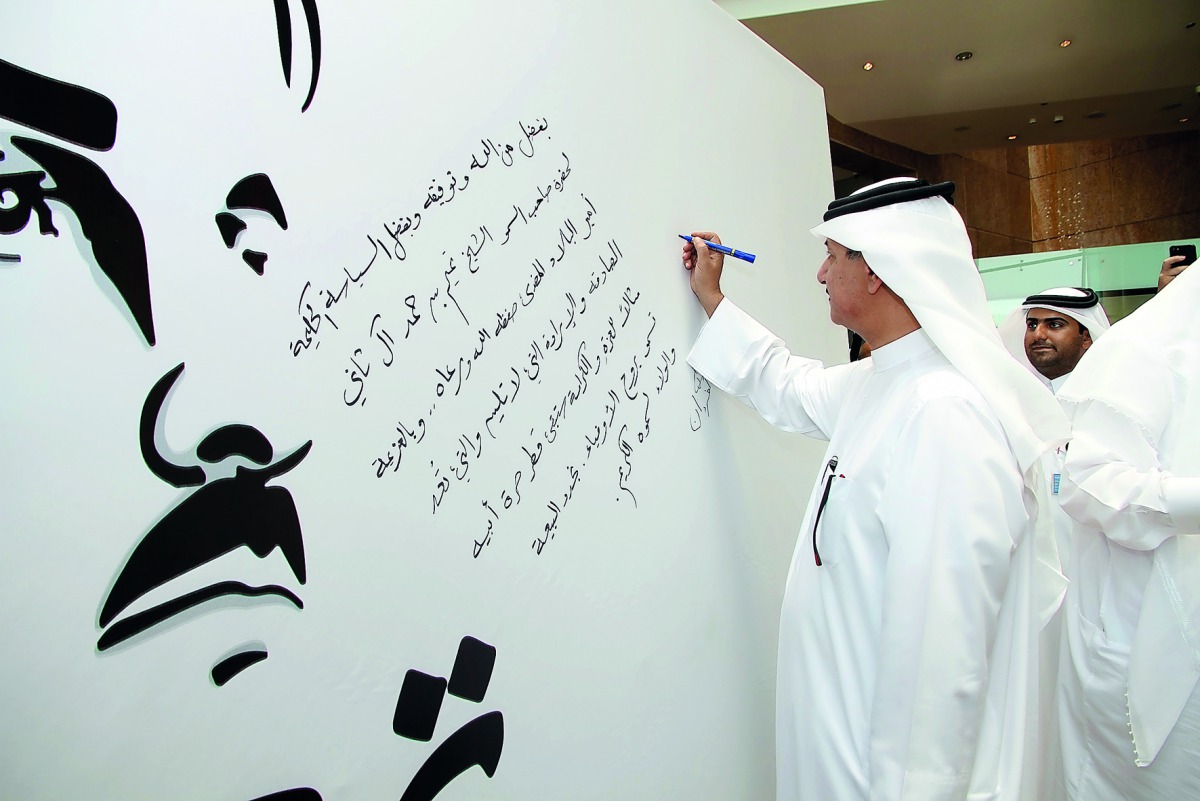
[
  {"x": 888, "y": 319},
  {"x": 892, "y": 330}
]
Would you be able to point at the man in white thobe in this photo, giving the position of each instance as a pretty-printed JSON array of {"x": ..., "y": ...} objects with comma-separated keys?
[
  {"x": 1048, "y": 334},
  {"x": 908, "y": 635},
  {"x": 1128, "y": 702}
]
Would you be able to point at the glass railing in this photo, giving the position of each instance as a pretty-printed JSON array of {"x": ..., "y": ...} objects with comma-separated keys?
[{"x": 1124, "y": 276}]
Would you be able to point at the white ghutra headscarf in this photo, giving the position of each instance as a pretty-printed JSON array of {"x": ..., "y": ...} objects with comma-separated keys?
[
  {"x": 915, "y": 241},
  {"x": 1078, "y": 303},
  {"x": 921, "y": 250}
]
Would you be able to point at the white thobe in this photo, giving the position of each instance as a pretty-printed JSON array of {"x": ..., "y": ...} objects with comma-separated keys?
[
  {"x": 885, "y": 686},
  {"x": 1127, "y": 483},
  {"x": 1050, "y": 643}
]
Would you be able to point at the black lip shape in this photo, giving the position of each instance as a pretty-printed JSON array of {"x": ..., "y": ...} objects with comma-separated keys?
[{"x": 134, "y": 625}]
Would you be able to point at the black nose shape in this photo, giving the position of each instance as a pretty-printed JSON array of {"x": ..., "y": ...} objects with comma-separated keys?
[{"x": 236, "y": 440}]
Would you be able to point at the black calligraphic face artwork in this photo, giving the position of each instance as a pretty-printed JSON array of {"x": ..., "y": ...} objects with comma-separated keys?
[{"x": 223, "y": 550}]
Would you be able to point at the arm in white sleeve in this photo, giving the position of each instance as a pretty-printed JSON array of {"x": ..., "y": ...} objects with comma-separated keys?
[
  {"x": 953, "y": 512},
  {"x": 1114, "y": 483},
  {"x": 741, "y": 357},
  {"x": 1183, "y": 502}
]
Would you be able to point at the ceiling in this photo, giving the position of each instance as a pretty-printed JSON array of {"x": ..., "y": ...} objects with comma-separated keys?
[{"x": 1132, "y": 68}]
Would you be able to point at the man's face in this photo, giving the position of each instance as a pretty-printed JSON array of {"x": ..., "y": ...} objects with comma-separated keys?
[
  {"x": 1054, "y": 343},
  {"x": 845, "y": 281},
  {"x": 161, "y": 494},
  {"x": 170, "y": 443}
]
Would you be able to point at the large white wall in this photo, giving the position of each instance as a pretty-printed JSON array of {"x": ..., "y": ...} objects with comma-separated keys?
[{"x": 561, "y": 487}]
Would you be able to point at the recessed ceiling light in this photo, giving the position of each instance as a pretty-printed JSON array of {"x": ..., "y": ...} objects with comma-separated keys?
[
  {"x": 1190, "y": 25},
  {"x": 1184, "y": 119},
  {"x": 962, "y": 128},
  {"x": 963, "y": 56},
  {"x": 869, "y": 66},
  {"x": 1033, "y": 120},
  {"x": 1012, "y": 137},
  {"x": 1065, "y": 43},
  {"x": 1095, "y": 115}
]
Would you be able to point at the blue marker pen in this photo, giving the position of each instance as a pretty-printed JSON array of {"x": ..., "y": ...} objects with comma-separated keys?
[{"x": 728, "y": 251}]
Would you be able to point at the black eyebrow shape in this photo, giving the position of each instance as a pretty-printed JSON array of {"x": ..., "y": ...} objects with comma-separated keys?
[{"x": 62, "y": 110}]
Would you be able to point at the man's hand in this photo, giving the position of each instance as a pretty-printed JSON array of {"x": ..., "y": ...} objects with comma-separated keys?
[
  {"x": 705, "y": 265},
  {"x": 1170, "y": 269}
]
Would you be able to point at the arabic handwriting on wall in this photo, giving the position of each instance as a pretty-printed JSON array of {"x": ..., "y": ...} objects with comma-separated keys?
[
  {"x": 701, "y": 396},
  {"x": 567, "y": 235},
  {"x": 441, "y": 193},
  {"x": 380, "y": 345},
  {"x": 581, "y": 335},
  {"x": 451, "y": 378},
  {"x": 400, "y": 229}
]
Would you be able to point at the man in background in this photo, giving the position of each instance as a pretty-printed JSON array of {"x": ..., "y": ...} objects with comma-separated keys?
[
  {"x": 908, "y": 632},
  {"x": 1050, "y": 331}
]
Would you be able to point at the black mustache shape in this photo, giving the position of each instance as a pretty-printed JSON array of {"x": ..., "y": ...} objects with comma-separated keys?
[
  {"x": 478, "y": 742},
  {"x": 217, "y": 518},
  {"x": 212, "y": 521}
]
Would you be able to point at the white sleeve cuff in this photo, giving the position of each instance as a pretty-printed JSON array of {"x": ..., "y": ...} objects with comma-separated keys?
[
  {"x": 1182, "y": 494},
  {"x": 723, "y": 342}
]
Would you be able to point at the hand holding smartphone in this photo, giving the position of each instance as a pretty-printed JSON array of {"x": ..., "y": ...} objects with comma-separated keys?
[{"x": 1187, "y": 251}]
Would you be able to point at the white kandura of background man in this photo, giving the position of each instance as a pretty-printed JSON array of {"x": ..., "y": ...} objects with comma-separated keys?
[
  {"x": 909, "y": 629},
  {"x": 1129, "y": 698},
  {"x": 1049, "y": 333}
]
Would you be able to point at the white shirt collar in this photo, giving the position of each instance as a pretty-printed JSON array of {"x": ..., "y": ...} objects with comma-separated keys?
[
  {"x": 1056, "y": 383},
  {"x": 904, "y": 349}
]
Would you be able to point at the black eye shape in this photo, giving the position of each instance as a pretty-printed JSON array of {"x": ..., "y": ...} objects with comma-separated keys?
[
  {"x": 22, "y": 196},
  {"x": 252, "y": 192},
  {"x": 105, "y": 218}
]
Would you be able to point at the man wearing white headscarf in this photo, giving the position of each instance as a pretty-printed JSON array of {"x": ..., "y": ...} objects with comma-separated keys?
[
  {"x": 1050, "y": 331},
  {"x": 1128, "y": 700},
  {"x": 909, "y": 628}
]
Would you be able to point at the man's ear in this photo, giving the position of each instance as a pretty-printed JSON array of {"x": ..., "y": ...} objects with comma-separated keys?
[
  {"x": 874, "y": 282},
  {"x": 1086, "y": 339}
]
